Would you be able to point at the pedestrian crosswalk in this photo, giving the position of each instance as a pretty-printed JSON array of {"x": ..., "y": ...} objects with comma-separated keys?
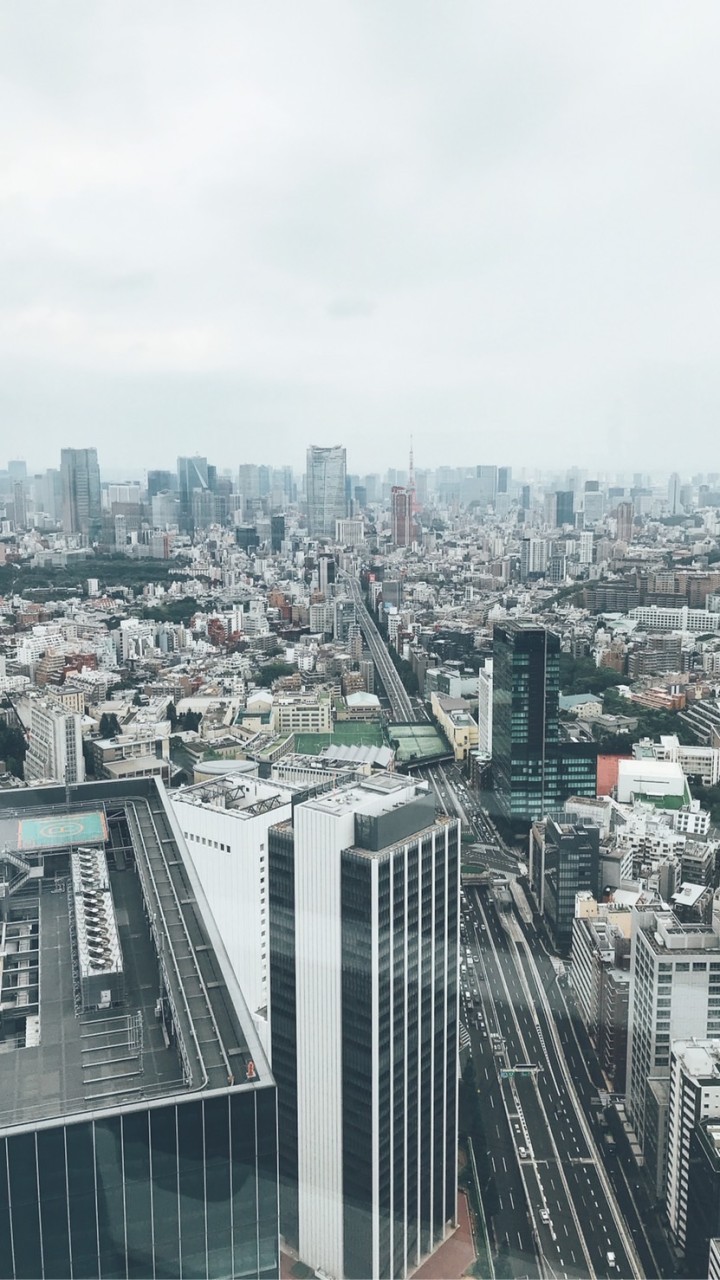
[{"x": 464, "y": 1036}]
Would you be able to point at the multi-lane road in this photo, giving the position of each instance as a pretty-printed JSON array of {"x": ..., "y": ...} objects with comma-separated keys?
[{"x": 558, "y": 1215}]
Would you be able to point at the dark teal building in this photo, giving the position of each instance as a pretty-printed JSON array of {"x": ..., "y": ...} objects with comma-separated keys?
[{"x": 534, "y": 768}]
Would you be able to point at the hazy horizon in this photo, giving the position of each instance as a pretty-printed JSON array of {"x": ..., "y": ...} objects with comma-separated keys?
[{"x": 237, "y": 231}]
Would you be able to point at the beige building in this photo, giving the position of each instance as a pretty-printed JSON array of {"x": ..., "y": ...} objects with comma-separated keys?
[
  {"x": 303, "y": 713},
  {"x": 456, "y": 723}
]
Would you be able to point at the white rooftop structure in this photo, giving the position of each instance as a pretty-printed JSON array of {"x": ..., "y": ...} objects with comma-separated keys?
[{"x": 655, "y": 778}]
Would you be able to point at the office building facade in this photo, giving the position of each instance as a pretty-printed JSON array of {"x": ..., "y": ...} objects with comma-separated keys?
[
  {"x": 694, "y": 1100},
  {"x": 364, "y": 888},
  {"x": 564, "y": 861},
  {"x": 325, "y": 487},
  {"x": 153, "y": 1150},
  {"x": 674, "y": 995},
  {"x": 81, "y": 496},
  {"x": 564, "y": 507},
  {"x": 193, "y": 478},
  {"x": 534, "y": 770}
]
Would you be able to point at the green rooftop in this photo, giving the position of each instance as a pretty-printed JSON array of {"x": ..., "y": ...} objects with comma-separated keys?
[{"x": 413, "y": 742}]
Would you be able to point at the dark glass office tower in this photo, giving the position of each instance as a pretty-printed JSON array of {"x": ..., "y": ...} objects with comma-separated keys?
[
  {"x": 193, "y": 477},
  {"x": 565, "y": 507},
  {"x": 138, "y": 1115},
  {"x": 80, "y": 476},
  {"x": 364, "y": 887},
  {"x": 564, "y": 861},
  {"x": 534, "y": 771},
  {"x": 277, "y": 532}
]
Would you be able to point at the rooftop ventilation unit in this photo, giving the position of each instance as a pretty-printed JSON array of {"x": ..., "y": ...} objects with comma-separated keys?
[{"x": 100, "y": 960}]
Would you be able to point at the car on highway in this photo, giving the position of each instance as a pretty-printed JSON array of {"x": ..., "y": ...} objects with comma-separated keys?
[
  {"x": 522, "y": 1152},
  {"x": 544, "y": 1215},
  {"x": 610, "y": 1258}
]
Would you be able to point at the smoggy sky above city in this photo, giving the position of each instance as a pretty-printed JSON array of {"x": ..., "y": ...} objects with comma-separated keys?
[{"x": 239, "y": 229}]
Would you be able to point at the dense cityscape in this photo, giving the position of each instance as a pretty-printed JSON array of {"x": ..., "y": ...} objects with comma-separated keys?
[{"x": 360, "y": 870}]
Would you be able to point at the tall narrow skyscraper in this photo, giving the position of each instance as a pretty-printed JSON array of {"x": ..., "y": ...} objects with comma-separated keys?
[
  {"x": 80, "y": 475},
  {"x": 364, "y": 886},
  {"x": 192, "y": 477},
  {"x": 401, "y": 513},
  {"x": 625, "y": 514},
  {"x": 326, "y": 499}
]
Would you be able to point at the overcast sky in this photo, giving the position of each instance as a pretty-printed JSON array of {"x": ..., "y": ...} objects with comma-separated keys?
[{"x": 238, "y": 229}]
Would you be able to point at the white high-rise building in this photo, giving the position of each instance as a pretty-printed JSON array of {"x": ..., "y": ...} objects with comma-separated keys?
[
  {"x": 586, "y": 548},
  {"x": 55, "y": 752},
  {"x": 225, "y": 823},
  {"x": 364, "y": 887},
  {"x": 485, "y": 708},
  {"x": 674, "y": 995},
  {"x": 694, "y": 1096}
]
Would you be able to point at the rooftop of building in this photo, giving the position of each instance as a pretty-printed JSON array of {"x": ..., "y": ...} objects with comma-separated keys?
[
  {"x": 666, "y": 935},
  {"x": 647, "y": 767},
  {"x": 375, "y": 795},
  {"x": 569, "y": 701},
  {"x": 689, "y": 894},
  {"x": 61, "y": 1055},
  {"x": 348, "y": 754},
  {"x": 240, "y": 795},
  {"x": 362, "y": 699},
  {"x": 700, "y": 1058}
]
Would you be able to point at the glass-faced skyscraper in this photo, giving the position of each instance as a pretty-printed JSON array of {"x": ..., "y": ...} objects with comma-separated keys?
[
  {"x": 138, "y": 1113},
  {"x": 80, "y": 478},
  {"x": 193, "y": 475},
  {"x": 326, "y": 498},
  {"x": 534, "y": 770},
  {"x": 364, "y": 888}
]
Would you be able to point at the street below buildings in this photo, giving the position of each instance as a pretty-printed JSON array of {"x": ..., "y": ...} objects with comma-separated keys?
[{"x": 557, "y": 1214}]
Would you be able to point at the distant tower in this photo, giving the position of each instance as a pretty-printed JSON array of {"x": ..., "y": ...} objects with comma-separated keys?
[
  {"x": 674, "y": 502},
  {"x": 625, "y": 514},
  {"x": 81, "y": 491},
  {"x": 401, "y": 515},
  {"x": 325, "y": 484}
]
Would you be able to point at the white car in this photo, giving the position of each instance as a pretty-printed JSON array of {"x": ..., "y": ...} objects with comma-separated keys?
[
  {"x": 544, "y": 1215},
  {"x": 610, "y": 1258}
]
